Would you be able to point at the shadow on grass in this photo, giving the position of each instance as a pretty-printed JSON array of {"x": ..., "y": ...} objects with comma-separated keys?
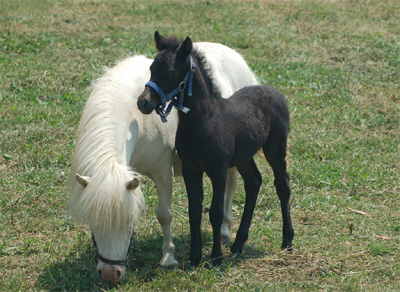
[{"x": 78, "y": 271}]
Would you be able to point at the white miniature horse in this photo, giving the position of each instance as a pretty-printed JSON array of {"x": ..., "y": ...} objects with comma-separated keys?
[{"x": 114, "y": 138}]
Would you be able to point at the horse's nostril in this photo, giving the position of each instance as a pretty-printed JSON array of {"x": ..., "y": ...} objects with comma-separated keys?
[
  {"x": 144, "y": 106},
  {"x": 119, "y": 274},
  {"x": 142, "y": 103},
  {"x": 99, "y": 272}
]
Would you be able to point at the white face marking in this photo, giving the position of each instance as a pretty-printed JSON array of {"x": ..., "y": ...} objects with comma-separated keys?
[{"x": 113, "y": 245}]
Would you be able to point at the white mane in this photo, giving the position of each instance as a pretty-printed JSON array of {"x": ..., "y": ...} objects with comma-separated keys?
[{"x": 100, "y": 150}]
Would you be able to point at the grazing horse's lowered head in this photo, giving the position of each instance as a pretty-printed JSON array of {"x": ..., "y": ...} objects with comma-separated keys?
[
  {"x": 110, "y": 204},
  {"x": 104, "y": 190}
]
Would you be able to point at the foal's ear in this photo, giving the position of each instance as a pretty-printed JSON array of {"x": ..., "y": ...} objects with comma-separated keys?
[
  {"x": 160, "y": 41},
  {"x": 185, "y": 48},
  {"x": 133, "y": 184},
  {"x": 83, "y": 180}
]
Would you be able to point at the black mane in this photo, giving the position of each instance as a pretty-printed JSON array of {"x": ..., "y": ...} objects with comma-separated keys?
[{"x": 205, "y": 70}]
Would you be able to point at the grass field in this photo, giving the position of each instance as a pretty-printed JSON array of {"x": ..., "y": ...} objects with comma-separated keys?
[{"x": 338, "y": 62}]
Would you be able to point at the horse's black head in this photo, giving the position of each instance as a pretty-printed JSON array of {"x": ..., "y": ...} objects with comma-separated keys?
[{"x": 167, "y": 71}]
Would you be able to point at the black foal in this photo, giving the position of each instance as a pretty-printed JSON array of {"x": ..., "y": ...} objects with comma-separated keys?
[{"x": 216, "y": 133}]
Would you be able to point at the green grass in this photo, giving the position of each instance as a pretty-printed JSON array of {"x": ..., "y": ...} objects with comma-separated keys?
[{"x": 338, "y": 62}]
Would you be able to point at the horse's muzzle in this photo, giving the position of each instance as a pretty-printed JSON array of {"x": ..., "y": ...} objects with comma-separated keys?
[
  {"x": 143, "y": 106},
  {"x": 144, "y": 102}
]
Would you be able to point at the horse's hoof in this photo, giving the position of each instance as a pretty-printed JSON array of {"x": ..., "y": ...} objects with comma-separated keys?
[
  {"x": 194, "y": 259},
  {"x": 225, "y": 240},
  {"x": 216, "y": 258},
  {"x": 236, "y": 248},
  {"x": 234, "y": 255},
  {"x": 287, "y": 246},
  {"x": 168, "y": 261},
  {"x": 194, "y": 263},
  {"x": 217, "y": 261}
]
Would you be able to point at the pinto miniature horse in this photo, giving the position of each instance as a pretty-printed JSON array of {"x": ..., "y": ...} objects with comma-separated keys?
[{"x": 215, "y": 134}]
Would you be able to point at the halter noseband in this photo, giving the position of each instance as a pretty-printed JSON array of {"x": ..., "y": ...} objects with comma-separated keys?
[
  {"x": 98, "y": 256},
  {"x": 178, "y": 103}
]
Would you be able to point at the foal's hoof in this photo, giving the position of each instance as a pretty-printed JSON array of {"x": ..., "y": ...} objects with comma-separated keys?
[
  {"x": 216, "y": 259},
  {"x": 236, "y": 248},
  {"x": 216, "y": 262},
  {"x": 194, "y": 263},
  {"x": 194, "y": 259},
  {"x": 287, "y": 246}
]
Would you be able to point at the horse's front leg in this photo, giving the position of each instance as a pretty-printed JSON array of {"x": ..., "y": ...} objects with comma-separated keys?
[
  {"x": 194, "y": 188},
  {"x": 218, "y": 179},
  {"x": 164, "y": 217}
]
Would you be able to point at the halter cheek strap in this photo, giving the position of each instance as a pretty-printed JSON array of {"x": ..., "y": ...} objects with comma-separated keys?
[{"x": 172, "y": 96}]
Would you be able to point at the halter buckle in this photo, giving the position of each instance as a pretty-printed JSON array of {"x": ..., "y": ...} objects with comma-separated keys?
[
  {"x": 192, "y": 64},
  {"x": 182, "y": 86}
]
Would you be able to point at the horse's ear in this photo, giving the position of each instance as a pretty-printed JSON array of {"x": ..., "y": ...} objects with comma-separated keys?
[
  {"x": 133, "y": 184},
  {"x": 185, "y": 48},
  {"x": 160, "y": 41},
  {"x": 83, "y": 180}
]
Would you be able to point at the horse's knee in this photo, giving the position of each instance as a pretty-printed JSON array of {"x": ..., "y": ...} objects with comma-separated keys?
[
  {"x": 216, "y": 216},
  {"x": 164, "y": 217}
]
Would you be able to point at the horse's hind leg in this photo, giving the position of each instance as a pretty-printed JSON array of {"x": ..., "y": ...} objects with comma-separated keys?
[
  {"x": 252, "y": 182},
  {"x": 231, "y": 183},
  {"x": 164, "y": 216},
  {"x": 275, "y": 152}
]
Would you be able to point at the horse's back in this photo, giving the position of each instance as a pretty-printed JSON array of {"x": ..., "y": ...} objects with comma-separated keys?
[
  {"x": 262, "y": 100},
  {"x": 262, "y": 94},
  {"x": 227, "y": 67}
]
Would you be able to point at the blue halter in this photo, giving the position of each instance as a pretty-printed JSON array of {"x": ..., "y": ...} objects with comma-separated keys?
[{"x": 178, "y": 103}]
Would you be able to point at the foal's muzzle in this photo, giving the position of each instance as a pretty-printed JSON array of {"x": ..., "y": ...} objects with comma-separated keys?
[
  {"x": 144, "y": 102},
  {"x": 143, "y": 106}
]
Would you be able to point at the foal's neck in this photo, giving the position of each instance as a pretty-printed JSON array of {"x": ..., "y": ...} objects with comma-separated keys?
[{"x": 204, "y": 91}]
